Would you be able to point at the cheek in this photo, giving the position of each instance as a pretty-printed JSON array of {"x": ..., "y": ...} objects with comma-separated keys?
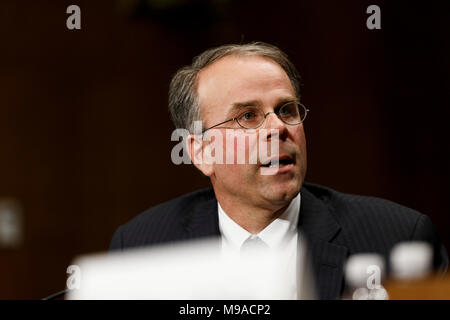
[
  {"x": 240, "y": 148},
  {"x": 239, "y": 158},
  {"x": 298, "y": 135},
  {"x": 236, "y": 176}
]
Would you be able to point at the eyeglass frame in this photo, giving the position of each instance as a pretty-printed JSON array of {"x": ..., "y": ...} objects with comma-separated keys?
[{"x": 265, "y": 116}]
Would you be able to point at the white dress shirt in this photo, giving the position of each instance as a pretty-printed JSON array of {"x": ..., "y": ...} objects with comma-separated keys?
[{"x": 281, "y": 236}]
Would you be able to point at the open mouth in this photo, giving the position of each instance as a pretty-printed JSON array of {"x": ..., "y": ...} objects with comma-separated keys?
[{"x": 278, "y": 162}]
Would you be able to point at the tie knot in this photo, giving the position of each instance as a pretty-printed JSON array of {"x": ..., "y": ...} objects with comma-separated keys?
[{"x": 254, "y": 244}]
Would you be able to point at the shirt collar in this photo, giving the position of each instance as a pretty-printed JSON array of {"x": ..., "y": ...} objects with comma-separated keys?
[{"x": 273, "y": 235}]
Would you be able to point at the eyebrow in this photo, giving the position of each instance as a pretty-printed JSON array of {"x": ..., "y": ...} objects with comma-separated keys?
[{"x": 238, "y": 105}]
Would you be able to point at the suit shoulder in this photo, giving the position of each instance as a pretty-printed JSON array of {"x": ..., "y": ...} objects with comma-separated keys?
[
  {"x": 358, "y": 213},
  {"x": 165, "y": 220},
  {"x": 360, "y": 205}
]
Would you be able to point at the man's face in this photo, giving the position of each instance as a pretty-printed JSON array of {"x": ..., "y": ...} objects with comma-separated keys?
[{"x": 234, "y": 81}]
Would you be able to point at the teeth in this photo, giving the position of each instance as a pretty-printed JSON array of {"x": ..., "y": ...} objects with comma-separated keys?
[
  {"x": 278, "y": 163},
  {"x": 271, "y": 164}
]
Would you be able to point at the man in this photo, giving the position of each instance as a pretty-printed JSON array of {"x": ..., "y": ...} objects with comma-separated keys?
[{"x": 254, "y": 87}]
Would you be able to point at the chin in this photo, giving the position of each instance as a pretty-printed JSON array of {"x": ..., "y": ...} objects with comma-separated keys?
[{"x": 282, "y": 193}]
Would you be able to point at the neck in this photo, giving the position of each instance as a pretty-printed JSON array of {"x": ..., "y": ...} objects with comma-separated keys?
[{"x": 252, "y": 218}]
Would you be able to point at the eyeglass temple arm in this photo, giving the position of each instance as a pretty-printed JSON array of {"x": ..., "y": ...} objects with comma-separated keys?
[{"x": 218, "y": 124}]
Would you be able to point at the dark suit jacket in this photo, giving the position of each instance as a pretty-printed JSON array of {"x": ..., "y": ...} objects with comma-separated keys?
[{"x": 334, "y": 224}]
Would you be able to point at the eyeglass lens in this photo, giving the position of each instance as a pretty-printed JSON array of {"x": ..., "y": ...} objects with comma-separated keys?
[{"x": 252, "y": 117}]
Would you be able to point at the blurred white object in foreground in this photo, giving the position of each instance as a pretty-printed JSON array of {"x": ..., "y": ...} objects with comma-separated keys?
[
  {"x": 190, "y": 270},
  {"x": 358, "y": 268},
  {"x": 411, "y": 260},
  {"x": 364, "y": 273}
]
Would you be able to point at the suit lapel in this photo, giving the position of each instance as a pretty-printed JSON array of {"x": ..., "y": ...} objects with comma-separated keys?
[
  {"x": 318, "y": 227},
  {"x": 203, "y": 222}
]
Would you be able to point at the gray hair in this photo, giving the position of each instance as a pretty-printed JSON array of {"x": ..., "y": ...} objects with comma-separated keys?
[{"x": 184, "y": 105}]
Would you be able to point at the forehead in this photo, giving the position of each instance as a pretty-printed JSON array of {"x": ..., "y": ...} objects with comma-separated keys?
[{"x": 235, "y": 79}]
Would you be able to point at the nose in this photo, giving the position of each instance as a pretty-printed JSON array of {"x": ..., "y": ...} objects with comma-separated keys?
[{"x": 275, "y": 126}]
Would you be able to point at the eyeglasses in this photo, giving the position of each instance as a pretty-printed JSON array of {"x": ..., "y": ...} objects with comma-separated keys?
[{"x": 250, "y": 117}]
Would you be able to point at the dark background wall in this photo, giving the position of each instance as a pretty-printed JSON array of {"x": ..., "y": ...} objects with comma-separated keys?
[{"x": 85, "y": 133}]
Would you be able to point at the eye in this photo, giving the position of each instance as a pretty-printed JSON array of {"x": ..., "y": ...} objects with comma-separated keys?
[
  {"x": 248, "y": 115},
  {"x": 288, "y": 110},
  {"x": 284, "y": 111}
]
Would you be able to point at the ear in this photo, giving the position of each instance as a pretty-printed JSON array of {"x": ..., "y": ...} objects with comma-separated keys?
[{"x": 195, "y": 146}]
